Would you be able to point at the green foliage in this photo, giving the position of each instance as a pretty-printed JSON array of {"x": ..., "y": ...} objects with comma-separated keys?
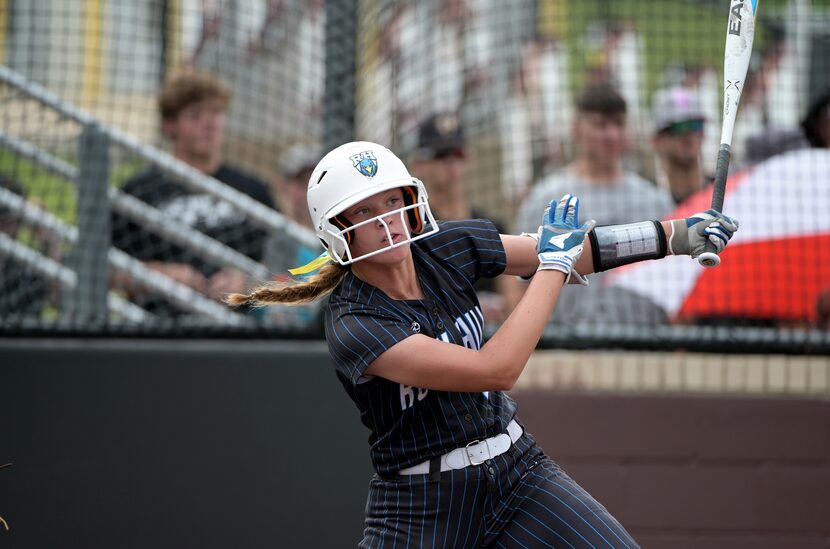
[
  {"x": 674, "y": 32},
  {"x": 46, "y": 190},
  {"x": 51, "y": 192}
]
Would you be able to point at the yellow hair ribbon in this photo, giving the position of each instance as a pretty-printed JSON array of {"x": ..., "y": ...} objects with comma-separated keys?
[{"x": 312, "y": 265}]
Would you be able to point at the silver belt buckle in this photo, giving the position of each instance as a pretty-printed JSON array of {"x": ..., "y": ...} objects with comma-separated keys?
[{"x": 467, "y": 451}]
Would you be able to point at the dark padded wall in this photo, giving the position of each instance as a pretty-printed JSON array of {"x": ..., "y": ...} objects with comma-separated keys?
[
  {"x": 252, "y": 444},
  {"x": 178, "y": 444}
]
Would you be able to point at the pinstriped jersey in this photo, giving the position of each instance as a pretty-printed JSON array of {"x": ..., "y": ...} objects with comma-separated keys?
[{"x": 409, "y": 424}]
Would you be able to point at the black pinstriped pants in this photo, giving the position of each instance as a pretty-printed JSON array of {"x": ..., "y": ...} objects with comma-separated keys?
[{"x": 519, "y": 499}]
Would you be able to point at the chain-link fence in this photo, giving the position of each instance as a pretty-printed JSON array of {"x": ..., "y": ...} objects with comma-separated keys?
[{"x": 153, "y": 155}]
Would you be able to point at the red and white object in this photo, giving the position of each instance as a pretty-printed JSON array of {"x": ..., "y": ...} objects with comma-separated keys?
[{"x": 776, "y": 264}]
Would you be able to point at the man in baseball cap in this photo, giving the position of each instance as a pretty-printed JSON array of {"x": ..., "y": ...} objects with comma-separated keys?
[
  {"x": 677, "y": 140},
  {"x": 440, "y": 135},
  {"x": 440, "y": 161}
]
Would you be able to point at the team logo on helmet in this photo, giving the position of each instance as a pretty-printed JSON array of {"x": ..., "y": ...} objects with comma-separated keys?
[{"x": 365, "y": 163}]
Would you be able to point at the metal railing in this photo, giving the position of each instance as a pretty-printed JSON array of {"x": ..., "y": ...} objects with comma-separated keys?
[
  {"x": 149, "y": 279},
  {"x": 96, "y": 198}
]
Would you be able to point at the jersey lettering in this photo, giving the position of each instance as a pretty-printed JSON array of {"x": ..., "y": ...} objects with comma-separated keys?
[
  {"x": 408, "y": 395},
  {"x": 470, "y": 326}
]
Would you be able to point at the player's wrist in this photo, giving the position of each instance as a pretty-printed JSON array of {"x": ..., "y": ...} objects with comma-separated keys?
[
  {"x": 677, "y": 239},
  {"x": 556, "y": 274},
  {"x": 557, "y": 261}
]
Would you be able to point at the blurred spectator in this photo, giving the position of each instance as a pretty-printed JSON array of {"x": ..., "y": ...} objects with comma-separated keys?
[
  {"x": 775, "y": 141},
  {"x": 626, "y": 54},
  {"x": 291, "y": 186},
  {"x": 22, "y": 291},
  {"x": 677, "y": 138},
  {"x": 431, "y": 57},
  {"x": 192, "y": 107},
  {"x": 767, "y": 99},
  {"x": 816, "y": 122},
  {"x": 535, "y": 119},
  {"x": 771, "y": 143},
  {"x": 440, "y": 161},
  {"x": 282, "y": 252},
  {"x": 823, "y": 310},
  {"x": 609, "y": 194}
]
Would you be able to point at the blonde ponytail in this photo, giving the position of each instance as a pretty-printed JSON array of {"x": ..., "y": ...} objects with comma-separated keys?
[{"x": 319, "y": 285}]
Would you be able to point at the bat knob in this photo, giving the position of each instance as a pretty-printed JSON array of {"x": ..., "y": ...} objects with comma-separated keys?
[{"x": 708, "y": 259}]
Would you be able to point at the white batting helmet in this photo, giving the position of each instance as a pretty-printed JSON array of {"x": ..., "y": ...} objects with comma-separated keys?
[{"x": 351, "y": 173}]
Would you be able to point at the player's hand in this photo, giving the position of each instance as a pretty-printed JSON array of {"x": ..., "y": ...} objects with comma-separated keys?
[
  {"x": 690, "y": 235},
  {"x": 561, "y": 237}
]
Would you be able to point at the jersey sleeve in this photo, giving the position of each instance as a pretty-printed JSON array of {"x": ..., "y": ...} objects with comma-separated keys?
[
  {"x": 357, "y": 334},
  {"x": 472, "y": 246}
]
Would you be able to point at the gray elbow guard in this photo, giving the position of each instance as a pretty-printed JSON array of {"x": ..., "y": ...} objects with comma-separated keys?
[{"x": 615, "y": 245}]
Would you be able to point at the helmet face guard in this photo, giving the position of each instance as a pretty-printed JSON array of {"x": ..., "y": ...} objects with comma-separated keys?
[
  {"x": 341, "y": 251},
  {"x": 352, "y": 173}
]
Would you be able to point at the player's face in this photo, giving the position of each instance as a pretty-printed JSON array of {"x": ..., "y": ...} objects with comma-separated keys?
[{"x": 374, "y": 236}]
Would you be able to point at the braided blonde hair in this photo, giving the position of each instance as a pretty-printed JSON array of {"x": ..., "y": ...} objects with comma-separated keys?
[{"x": 319, "y": 285}]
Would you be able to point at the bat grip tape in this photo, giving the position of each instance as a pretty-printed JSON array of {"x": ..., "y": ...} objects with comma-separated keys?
[
  {"x": 719, "y": 189},
  {"x": 721, "y": 171}
]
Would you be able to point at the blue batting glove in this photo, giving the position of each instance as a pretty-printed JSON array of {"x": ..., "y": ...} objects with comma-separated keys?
[
  {"x": 561, "y": 237},
  {"x": 690, "y": 235}
]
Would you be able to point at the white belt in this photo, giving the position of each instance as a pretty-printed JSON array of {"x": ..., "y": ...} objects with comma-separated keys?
[{"x": 475, "y": 453}]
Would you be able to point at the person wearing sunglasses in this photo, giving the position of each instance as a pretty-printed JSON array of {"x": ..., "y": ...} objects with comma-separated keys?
[{"x": 677, "y": 140}]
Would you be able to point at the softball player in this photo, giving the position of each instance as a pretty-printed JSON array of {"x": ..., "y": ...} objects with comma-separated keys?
[{"x": 454, "y": 465}]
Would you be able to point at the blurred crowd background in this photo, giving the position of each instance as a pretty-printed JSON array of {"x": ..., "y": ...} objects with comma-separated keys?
[{"x": 154, "y": 155}]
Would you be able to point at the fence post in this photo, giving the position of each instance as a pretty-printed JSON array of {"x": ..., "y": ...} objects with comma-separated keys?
[
  {"x": 341, "y": 64},
  {"x": 87, "y": 303}
]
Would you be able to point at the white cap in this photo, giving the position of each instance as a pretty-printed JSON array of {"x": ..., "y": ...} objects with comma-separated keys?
[
  {"x": 298, "y": 158},
  {"x": 673, "y": 105}
]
